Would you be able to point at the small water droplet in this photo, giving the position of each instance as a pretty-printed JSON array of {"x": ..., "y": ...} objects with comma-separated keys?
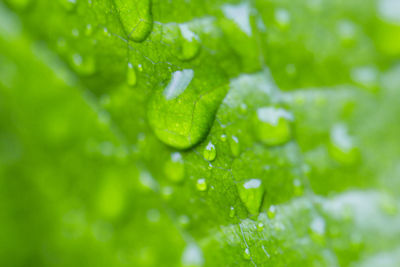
[
  {"x": 140, "y": 67},
  {"x": 131, "y": 75},
  {"x": 201, "y": 184},
  {"x": 223, "y": 137},
  {"x": 136, "y": 18},
  {"x": 153, "y": 215},
  {"x": 192, "y": 256},
  {"x": 83, "y": 65},
  {"x": 260, "y": 227},
  {"x": 232, "y": 212},
  {"x": 246, "y": 254},
  {"x": 272, "y": 125},
  {"x": 75, "y": 33},
  {"x": 174, "y": 168},
  {"x": 210, "y": 152},
  {"x": 251, "y": 193},
  {"x": 235, "y": 146},
  {"x": 89, "y": 29},
  {"x": 183, "y": 221},
  {"x": 282, "y": 18},
  {"x": 271, "y": 212},
  {"x": 167, "y": 192},
  {"x": 243, "y": 108},
  {"x": 298, "y": 188},
  {"x": 342, "y": 147}
]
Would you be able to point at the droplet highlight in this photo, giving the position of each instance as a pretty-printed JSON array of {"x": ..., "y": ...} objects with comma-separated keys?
[
  {"x": 210, "y": 152},
  {"x": 251, "y": 192}
]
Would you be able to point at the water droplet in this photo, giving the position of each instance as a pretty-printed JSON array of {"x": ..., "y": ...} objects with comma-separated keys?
[
  {"x": 181, "y": 115},
  {"x": 298, "y": 188},
  {"x": 190, "y": 44},
  {"x": 140, "y": 68},
  {"x": 183, "y": 221},
  {"x": 83, "y": 65},
  {"x": 131, "y": 75},
  {"x": 260, "y": 227},
  {"x": 243, "y": 108},
  {"x": 246, "y": 254},
  {"x": 240, "y": 14},
  {"x": 136, "y": 18},
  {"x": 282, "y": 18},
  {"x": 223, "y": 137},
  {"x": 89, "y": 29},
  {"x": 209, "y": 152},
  {"x": 69, "y": 5},
  {"x": 232, "y": 211},
  {"x": 174, "y": 169},
  {"x": 272, "y": 125},
  {"x": 235, "y": 146},
  {"x": 167, "y": 192},
  {"x": 318, "y": 226},
  {"x": 251, "y": 193},
  {"x": 75, "y": 33},
  {"x": 201, "y": 184},
  {"x": 192, "y": 256},
  {"x": 342, "y": 147},
  {"x": 271, "y": 212}
]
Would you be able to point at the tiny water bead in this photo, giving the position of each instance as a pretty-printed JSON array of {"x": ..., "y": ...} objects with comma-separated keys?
[
  {"x": 223, "y": 137},
  {"x": 182, "y": 114},
  {"x": 201, "y": 184},
  {"x": 136, "y": 18},
  {"x": 84, "y": 66},
  {"x": 174, "y": 168},
  {"x": 232, "y": 212},
  {"x": 210, "y": 152},
  {"x": 192, "y": 256},
  {"x": 260, "y": 227},
  {"x": 234, "y": 145},
  {"x": 247, "y": 254},
  {"x": 271, "y": 212},
  {"x": 272, "y": 125},
  {"x": 342, "y": 147},
  {"x": 131, "y": 75},
  {"x": 282, "y": 18},
  {"x": 251, "y": 192}
]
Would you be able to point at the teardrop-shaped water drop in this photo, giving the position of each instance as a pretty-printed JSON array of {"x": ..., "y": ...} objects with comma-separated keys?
[
  {"x": 136, "y": 18},
  {"x": 189, "y": 43},
  {"x": 181, "y": 115},
  {"x": 84, "y": 66},
  {"x": 232, "y": 212},
  {"x": 131, "y": 75},
  {"x": 251, "y": 192},
  {"x": 210, "y": 152},
  {"x": 246, "y": 254},
  {"x": 272, "y": 125}
]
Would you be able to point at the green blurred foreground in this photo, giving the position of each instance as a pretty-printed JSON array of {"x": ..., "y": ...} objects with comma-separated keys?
[{"x": 200, "y": 133}]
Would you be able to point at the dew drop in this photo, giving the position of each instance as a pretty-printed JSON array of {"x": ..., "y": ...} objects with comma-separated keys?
[
  {"x": 272, "y": 125},
  {"x": 174, "y": 168},
  {"x": 210, "y": 152},
  {"x": 271, "y": 212},
  {"x": 282, "y": 18},
  {"x": 235, "y": 146},
  {"x": 260, "y": 227},
  {"x": 342, "y": 147},
  {"x": 83, "y": 65},
  {"x": 166, "y": 192},
  {"x": 251, "y": 193},
  {"x": 181, "y": 115},
  {"x": 131, "y": 75},
  {"x": 69, "y": 5},
  {"x": 246, "y": 254},
  {"x": 201, "y": 184},
  {"x": 223, "y": 137},
  {"x": 183, "y": 221},
  {"x": 192, "y": 256},
  {"x": 232, "y": 212},
  {"x": 136, "y": 18},
  {"x": 89, "y": 29}
]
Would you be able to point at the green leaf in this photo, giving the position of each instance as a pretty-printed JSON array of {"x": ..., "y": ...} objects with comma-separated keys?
[{"x": 199, "y": 133}]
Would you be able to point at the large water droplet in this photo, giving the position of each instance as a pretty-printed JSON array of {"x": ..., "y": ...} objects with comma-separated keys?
[
  {"x": 210, "y": 152},
  {"x": 192, "y": 256},
  {"x": 251, "y": 193},
  {"x": 174, "y": 169},
  {"x": 181, "y": 115},
  {"x": 190, "y": 43},
  {"x": 282, "y": 18},
  {"x": 136, "y": 18},
  {"x": 272, "y": 125}
]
